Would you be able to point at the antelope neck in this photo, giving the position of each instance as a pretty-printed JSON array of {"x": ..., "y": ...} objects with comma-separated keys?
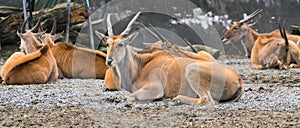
[{"x": 128, "y": 69}]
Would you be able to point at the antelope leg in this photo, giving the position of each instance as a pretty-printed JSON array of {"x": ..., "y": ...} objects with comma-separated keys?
[
  {"x": 149, "y": 92},
  {"x": 189, "y": 100}
]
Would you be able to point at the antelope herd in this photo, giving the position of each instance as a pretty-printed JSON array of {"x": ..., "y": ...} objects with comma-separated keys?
[{"x": 163, "y": 70}]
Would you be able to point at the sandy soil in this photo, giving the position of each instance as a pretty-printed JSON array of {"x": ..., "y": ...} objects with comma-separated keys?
[{"x": 271, "y": 99}]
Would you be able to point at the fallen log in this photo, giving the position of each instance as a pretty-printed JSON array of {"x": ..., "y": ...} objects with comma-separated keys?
[
  {"x": 7, "y": 10},
  {"x": 11, "y": 23}
]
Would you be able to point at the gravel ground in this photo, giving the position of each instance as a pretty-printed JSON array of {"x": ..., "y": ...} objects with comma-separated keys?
[{"x": 271, "y": 99}]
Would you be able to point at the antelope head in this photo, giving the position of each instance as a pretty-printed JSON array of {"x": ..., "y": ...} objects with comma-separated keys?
[
  {"x": 117, "y": 44},
  {"x": 29, "y": 42},
  {"x": 238, "y": 30},
  {"x": 49, "y": 38}
]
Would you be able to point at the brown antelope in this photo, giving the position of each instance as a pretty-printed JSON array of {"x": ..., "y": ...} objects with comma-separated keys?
[
  {"x": 241, "y": 30},
  {"x": 159, "y": 74},
  {"x": 75, "y": 62},
  {"x": 270, "y": 52},
  {"x": 34, "y": 68},
  {"x": 162, "y": 44},
  {"x": 37, "y": 66},
  {"x": 293, "y": 51}
]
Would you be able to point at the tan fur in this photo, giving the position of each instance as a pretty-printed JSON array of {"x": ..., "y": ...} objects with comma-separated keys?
[
  {"x": 76, "y": 62},
  {"x": 111, "y": 80},
  {"x": 34, "y": 68},
  {"x": 160, "y": 74}
]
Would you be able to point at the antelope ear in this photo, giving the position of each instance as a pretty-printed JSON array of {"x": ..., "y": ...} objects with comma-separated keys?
[
  {"x": 131, "y": 37},
  {"x": 147, "y": 44}
]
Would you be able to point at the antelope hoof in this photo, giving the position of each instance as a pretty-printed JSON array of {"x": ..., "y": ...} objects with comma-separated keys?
[
  {"x": 294, "y": 66},
  {"x": 177, "y": 100},
  {"x": 283, "y": 67},
  {"x": 129, "y": 99}
]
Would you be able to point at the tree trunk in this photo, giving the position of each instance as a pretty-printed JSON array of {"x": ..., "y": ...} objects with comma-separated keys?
[{"x": 13, "y": 22}]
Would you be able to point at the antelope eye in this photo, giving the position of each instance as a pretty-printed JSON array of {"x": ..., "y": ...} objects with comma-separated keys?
[{"x": 106, "y": 44}]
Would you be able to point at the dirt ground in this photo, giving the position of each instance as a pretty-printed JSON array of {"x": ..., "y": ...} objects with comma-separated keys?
[{"x": 271, "y": 99}]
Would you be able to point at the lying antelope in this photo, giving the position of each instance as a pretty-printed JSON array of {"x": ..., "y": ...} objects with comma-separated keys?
[
  {"x": 162, "y": 44},
  {"x": 159, "y": 74},
  {"x": 241, "y": 30},
  {"x": 270, "y": 52},
  {"x": 175, "y": 50},
  {"x": 75, "y": 62},
  {"x": 36, "y": 67},
  {"x": 293, "y": 51}
]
